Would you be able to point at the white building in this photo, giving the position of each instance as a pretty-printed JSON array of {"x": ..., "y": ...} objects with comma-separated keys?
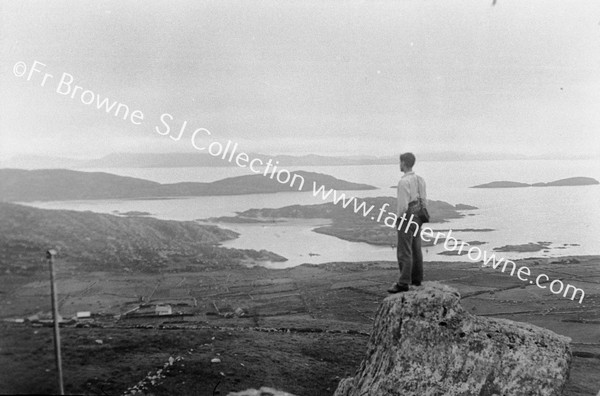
[{"x": 163, "y": 310}]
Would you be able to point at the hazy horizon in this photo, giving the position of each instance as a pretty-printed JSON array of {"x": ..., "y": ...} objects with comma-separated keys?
[
  {"x": 40, "y": 160},
  {"x": 328, "y": 78}
]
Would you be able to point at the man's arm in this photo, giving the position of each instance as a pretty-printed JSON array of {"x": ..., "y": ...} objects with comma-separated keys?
[
  {"x": 423, "y": 191},
  {"x": 403, "y": 198}
]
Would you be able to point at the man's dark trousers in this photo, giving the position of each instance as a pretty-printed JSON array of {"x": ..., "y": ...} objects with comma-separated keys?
[{"x": 410, "y": 257}]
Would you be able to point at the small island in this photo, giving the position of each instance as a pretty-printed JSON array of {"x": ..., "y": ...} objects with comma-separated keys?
[
  {"x": 571, "y": 181},
  {"x": 524, "y": 248},
  {"x": 453, "y": 253},
  {"x": 132, "y": 213}
]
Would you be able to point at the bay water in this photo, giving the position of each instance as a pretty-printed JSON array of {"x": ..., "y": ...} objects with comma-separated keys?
[{"x": 567, "y": 217}]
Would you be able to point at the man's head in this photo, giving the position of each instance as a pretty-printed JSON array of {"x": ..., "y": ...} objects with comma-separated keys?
[{"x": 407, "y": 161}]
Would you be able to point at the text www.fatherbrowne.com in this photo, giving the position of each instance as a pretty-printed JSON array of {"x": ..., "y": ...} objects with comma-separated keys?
[
  {"x": 427, "y": 234},
  {"x": 66, "y": 86}
]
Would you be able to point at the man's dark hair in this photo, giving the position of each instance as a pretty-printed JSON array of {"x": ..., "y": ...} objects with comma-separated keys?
[{"x": 408, "y": 158}]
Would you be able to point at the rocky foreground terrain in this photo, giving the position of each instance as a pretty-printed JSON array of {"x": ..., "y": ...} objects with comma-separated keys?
[
  {"x": 424, "y": 343},
  {"x": 300, "y": 330}
]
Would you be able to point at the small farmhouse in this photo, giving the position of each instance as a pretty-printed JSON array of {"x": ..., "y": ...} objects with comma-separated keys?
[{"x": 163, "y": 310}]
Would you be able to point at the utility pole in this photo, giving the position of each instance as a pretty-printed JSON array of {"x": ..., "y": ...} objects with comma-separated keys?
[{"x": 50, "y": 257}]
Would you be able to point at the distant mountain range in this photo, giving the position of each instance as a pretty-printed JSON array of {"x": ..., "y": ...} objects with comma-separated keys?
[
  {"x": 571, "y": 181},
  {"x": 175, "y": 160},
  {"x": 18, "y": 185},
  {"x": 183, "y": 160}
]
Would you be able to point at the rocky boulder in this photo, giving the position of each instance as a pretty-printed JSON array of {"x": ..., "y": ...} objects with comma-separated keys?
[
  {"x": 424, "y": 343},
  {"x": 264, "y": 391}
]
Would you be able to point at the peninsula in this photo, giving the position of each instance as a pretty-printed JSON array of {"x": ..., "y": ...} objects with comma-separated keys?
[
  {"x": 20, "y": 185},
  {"x": 345, "y": 223}
]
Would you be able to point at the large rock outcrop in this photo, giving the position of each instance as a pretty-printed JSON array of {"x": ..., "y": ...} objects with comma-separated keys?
[
  {"x": 264, "y": 391},
  {"x": 424, "y": 343}
]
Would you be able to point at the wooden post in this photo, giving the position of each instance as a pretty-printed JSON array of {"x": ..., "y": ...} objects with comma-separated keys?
[{"x": 50, "y": 257}]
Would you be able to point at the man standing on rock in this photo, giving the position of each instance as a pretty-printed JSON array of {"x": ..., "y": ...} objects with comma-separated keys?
[{"x": 410, "y": 258}]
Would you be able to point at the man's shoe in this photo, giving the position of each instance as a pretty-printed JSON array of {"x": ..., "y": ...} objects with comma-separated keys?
[
  {"x": 396, "y": 288},
  {"x": 416, "y": 283}
]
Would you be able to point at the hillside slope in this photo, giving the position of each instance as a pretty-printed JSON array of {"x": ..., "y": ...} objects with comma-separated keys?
[
  {"x": 106, "y": 242},
  {"x": 18, "y": 185}
]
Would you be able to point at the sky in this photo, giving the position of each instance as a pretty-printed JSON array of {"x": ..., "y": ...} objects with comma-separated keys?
[{"x": 324, "y": 77}]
